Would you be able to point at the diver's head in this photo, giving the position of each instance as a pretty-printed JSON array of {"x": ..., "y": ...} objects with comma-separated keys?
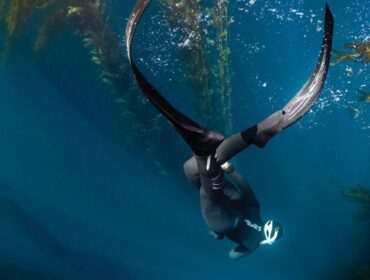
[{"x": 272, "y": 231}]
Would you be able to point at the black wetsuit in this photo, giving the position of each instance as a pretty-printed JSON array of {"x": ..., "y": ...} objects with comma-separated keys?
[{"x": 229, "y": 207}]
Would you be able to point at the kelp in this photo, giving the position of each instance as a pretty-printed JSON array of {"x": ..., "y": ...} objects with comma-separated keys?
[
  {"x": 354, "y": 112},
  {"x": 204, "y": 49},
  {"x": 89, "y": 21},
  {"x": 222, "y": 68},
  {"x": 360, "y": 108},
  {"x": 91, "y": 24},
  {"x": 204, "y": 37},
  {"x": 360, "y": 53},
  {"x": 15, "y": 13},
  {"x": 362, "y": 48},
  {"x": 184, "y": 16},
  {"x": 357, "y": 194},
  {"x": 339, "y": 57},
  {"x": 364, "y": 96},
  {"x": 361, "y": 272},
  {"x": 360, "y": 195}
]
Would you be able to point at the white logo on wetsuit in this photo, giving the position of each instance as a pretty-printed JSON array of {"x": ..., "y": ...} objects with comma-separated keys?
[{"x": 252, "y": 225}]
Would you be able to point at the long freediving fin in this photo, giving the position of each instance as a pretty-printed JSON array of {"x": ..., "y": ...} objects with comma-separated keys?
[
  {"x": 303, "y": 101},
  {"x": 307, "y": 96},
  {"x": 201, "y": 140}
]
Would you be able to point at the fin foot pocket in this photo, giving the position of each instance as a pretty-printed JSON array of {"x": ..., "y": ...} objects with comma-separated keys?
[{"x": 238, "y": 252}]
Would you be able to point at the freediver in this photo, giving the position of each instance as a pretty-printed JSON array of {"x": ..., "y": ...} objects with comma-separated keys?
[{"x": 228, "y": 204}]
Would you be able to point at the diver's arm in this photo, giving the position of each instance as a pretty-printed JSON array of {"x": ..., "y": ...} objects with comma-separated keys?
[{"x": 235, "y": 144}]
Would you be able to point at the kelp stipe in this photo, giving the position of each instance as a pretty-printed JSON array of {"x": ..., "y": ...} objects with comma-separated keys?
[{"x": 204, "y": 49}]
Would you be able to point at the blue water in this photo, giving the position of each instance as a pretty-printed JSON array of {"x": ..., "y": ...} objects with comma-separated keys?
[{"x": 76, "y": 203}]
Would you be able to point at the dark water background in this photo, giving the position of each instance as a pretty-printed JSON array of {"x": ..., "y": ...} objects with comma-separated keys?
[{"x": 76, "y": 204}]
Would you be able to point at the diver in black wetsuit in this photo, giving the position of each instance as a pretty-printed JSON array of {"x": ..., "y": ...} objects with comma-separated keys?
[{"x": 229, "y": 207}]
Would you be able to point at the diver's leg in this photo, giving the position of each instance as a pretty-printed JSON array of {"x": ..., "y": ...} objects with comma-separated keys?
[
  {"x": 247, "y": 233},
  {"x": 257, "y": 135},
  {"x": 235, "y": 144},
  {"x": 217, "y": 213},
  {"x": 236, "y": 190},
  {"x": 240, "y": 250}
]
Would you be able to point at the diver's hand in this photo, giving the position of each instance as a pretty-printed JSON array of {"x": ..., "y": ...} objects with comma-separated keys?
[{"x": 227, "y": 167}]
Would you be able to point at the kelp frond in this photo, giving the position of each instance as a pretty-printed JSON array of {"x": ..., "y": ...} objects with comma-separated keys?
[
  {"x": 89, "y": 21},
  {"x": 364, "y": 96},
  {"x": 360, "y": 195},
  {"x": 358, "y": 46},
  {"x": 354, "y": 112},
  {"x": 360, "y": 53},
  {"x": 207, "y": 58},
  {"x": 361, "y": 272},
  {"x": 15, "y": 13},
  {"x": 357, "y": 194},
  {"x": 91, "y": 24},
  {"x": 339, "y": 57},
  {"x": 88, "y": 18},
  {"x": 54, "y": 22}
]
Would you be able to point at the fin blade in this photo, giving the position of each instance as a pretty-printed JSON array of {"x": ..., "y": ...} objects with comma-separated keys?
[
  {"x": 201, "y": 140},
  {"x": 303, "y": 101}
]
